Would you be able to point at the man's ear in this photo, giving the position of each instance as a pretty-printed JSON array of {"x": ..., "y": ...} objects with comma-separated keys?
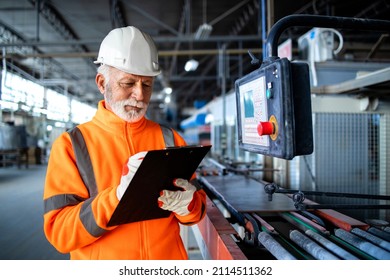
[{"x": 100, "y": 82}]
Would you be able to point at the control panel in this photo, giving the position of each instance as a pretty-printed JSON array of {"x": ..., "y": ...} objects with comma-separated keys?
[{"x": 274, "y": 110}]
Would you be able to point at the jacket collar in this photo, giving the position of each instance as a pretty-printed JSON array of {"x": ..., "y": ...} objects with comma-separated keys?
[{"x": 114, "y": 124}]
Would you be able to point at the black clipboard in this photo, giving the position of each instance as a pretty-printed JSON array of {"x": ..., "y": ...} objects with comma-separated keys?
[{"x": 157, "y": 171}]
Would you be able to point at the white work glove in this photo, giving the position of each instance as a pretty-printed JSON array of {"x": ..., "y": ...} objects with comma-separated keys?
[
  {"x": 180, "y": 200},
  {"x": 128, "y": 172}
]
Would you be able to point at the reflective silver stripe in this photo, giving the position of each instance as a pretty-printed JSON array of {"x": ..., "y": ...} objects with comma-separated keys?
[
  {"x": 60, "y": 201},
  {"x": 86, "y": 214},
  {"x": 169, "y": 138},
  {"x": 83, "y": 161},
  {"x": 88, "y": 220},
  {"x": 84, "y": 165}
]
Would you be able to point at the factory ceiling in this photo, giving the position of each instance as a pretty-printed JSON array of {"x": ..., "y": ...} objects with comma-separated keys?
[{"x": 55, "y": 42}]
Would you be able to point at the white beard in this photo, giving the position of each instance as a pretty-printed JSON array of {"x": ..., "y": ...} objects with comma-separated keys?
[
  {"x": 135, "y": 109},
  {"x": 133, "y": 114}
]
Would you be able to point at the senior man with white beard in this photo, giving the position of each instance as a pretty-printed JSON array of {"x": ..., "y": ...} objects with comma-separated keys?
[{"x": 91, "y": 165}]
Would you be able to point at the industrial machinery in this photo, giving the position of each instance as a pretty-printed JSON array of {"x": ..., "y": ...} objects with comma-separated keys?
[
  {"x": 242, "y": 223},
  {"x": 274, "y": 101},
  {"x": 252, "y": 218},
  {"x": 13, "y": 145}
]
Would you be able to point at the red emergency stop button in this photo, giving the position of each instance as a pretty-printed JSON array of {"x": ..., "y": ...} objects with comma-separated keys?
[{"x": 265, "y": 128}]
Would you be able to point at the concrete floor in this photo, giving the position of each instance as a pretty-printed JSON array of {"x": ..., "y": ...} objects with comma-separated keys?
[{"x": 21, "y": 220}]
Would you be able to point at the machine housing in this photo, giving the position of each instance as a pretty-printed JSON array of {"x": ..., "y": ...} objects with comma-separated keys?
[{"x": 277, "y": 95}]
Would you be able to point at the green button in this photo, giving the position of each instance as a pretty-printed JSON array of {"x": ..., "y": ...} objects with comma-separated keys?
[{"x": 269, "y": 93}]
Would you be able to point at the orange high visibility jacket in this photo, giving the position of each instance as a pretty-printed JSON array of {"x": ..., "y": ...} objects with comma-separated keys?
[{"x": 75, "y": 221}]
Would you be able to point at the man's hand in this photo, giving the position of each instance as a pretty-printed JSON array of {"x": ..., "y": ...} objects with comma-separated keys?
[
  {"x": 128, "y": 172},
  {"x": 178, "y": 201}
]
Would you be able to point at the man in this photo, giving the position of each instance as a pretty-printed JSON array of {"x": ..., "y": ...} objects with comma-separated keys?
[{"x": 79, "y": 203}]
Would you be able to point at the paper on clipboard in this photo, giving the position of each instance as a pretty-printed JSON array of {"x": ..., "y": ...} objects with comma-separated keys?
[{"x": 157, "y": 171}]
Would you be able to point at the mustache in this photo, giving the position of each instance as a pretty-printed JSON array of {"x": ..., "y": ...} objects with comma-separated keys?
[{"x": 133, "y": 103}]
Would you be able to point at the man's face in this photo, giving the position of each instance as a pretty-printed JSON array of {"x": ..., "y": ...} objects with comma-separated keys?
[{"x": 128, "y": 95}]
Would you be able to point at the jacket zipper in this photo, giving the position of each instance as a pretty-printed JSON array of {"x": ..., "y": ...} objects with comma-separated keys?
[
  {"x": 144, "y": 244},
  {"x": 129, "y": 140}
]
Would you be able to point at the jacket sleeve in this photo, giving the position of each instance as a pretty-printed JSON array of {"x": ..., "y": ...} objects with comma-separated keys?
[
  {"x": 198, "y": 210},
  {"x": 72, "y": 219}
]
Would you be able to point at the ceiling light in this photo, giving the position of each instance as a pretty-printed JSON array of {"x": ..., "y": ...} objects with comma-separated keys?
[
  {"x": 203, "y": 31},
  {"x": 167, "y": 99},
  {"x": 167, "y": 90},
  {"x": 191, "y": 65}
]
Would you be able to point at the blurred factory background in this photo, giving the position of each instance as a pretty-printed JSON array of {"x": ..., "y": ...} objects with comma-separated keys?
[{"x": 48, "y": 85}]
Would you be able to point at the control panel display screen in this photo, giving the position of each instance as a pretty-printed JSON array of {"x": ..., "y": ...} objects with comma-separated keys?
[
  {"x": 253, "y": 105},
  {"x": 274, "y": 110}
]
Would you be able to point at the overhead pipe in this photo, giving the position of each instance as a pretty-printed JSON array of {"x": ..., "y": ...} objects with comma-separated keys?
[
  {"x": 157, "y": 39},
  {"x": 160, "y": 53},
  {"x": 319, "y": 21}
]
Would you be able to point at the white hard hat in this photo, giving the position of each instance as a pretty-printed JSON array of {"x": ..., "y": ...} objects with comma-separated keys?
[{"x": 130, "y": 50}]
